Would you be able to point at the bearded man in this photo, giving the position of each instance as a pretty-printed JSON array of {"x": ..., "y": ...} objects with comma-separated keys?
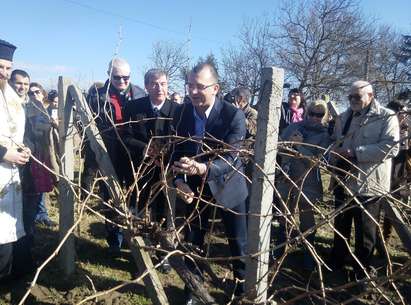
[{"x": 12, "y": 155}]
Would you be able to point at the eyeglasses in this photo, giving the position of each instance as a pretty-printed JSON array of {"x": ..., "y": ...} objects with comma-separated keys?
[
  {"x": 355, "y": 97},
  {"x": 200, "y": 87},
  {"x": 119, "y": 77},
  {"x": 316, "y": 114},
  {"x": 34, "y": 92}
]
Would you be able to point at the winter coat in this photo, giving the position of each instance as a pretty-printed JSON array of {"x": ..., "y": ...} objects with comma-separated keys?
[
  {"x": 301, "y": 170},
  {"x": 250, "y": 121},
  {"x": 375, "y": 143},
  {"x": 105, "y": 114},
  {"x": 39, "y": 137}
]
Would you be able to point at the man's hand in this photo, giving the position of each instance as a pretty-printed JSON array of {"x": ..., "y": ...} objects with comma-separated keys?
[
  {"x": 297, "y": 137},
  {"x": 189, "y": 167},
  {"x": 345, "y": 152},
  {"x": 184, "y": 191},
  {"x": 152, "y": 150},
  {"x": 54, "y": 123},
  {"x": 17, "y": 156}
]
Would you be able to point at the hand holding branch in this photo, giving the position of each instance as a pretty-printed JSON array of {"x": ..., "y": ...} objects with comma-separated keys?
[
  {"x": 190, "y": 167},
  {"x": 19, "y": 156}
]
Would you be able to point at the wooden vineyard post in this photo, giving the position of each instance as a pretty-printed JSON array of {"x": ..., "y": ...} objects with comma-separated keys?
[
  {"x": 259, "y": 226},
  {"x": 66, "y": 195},
  {"x": 142, "y": 259}
]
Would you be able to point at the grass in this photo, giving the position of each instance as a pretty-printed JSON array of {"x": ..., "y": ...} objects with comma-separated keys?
[{"x": 96, "y": 270}]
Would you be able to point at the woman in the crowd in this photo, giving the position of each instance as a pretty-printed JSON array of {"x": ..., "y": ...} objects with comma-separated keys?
[
  {"x": 293, "y": 110},
  {"x": 36, "y": 180},
  {"x": 301, "y": 186},
  {"x": 38, "y": 136}
]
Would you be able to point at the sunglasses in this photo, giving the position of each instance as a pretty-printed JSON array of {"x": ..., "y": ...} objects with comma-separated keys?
[
  {"x": 119, "y": 77},
  {"x": 355, "y": 97},
  {"x": 316, "y": 114},
  {"x": 34, "y": 92}
]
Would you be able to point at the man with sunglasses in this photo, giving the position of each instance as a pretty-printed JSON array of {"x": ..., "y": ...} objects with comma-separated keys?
[
  {"x": 108, "y": 103},
  {"x": 367, "y": 140}
]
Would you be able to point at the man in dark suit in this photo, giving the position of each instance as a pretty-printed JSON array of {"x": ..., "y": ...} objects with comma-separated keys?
[
  {"x": 206, "y": 173},
  {"x": 146, "y": 136}
]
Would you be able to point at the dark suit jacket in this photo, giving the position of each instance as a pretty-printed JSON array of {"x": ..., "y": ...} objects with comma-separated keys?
[
  {"x": 143, "y": 125},
  {"x": 101, "y": 106},
  {"x": 224, "y": 124}
]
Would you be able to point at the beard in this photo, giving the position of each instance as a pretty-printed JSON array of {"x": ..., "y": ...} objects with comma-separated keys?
[{"x": 3, "y": 84}]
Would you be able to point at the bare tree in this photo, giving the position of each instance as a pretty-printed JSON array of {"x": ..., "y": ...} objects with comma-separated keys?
[
  {"x": 173, "y": 59},
  {"x": 314, "y": 42},
  {"x": 385, "y": 69},
  {"x": 242, "y": 64}
]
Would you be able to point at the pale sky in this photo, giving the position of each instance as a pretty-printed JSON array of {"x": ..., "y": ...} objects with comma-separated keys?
[{"x": 77, "y": 38}]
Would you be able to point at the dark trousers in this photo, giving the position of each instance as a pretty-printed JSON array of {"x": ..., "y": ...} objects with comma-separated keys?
[
  {"x": 42, "y": 214},
  {"x": 235, "y": 229},
  {"x": 152, "y": 199},
  {"x": 365, "y": 229},
  {"x": 23, "y": 261},
  {"x": 90, "y": 168},
  {"x": 6, "y": 258},
  {"x": 122, "y": 166}
]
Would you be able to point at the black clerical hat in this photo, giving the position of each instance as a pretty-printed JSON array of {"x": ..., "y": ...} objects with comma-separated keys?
[{"x": 6, "y": 50}]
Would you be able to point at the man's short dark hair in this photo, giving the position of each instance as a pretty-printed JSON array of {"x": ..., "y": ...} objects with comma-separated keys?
[
  {"x": 203, "y": 65},
  {"x": 243, "y": 93},
  {"x": 16, "y": 72},
  {"x": 153, "y": 73}
]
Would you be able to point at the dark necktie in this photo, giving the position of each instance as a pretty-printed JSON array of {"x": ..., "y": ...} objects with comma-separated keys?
[{"x": 156, "y": 112}]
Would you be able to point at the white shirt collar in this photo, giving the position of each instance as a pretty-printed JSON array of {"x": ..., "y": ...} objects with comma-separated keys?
[
  {"x": 208, "y": 111},
  {"x": 157, "y": 106}
]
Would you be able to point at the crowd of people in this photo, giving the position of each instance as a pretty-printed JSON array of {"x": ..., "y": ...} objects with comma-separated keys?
[{"x": 149, "y": 131}]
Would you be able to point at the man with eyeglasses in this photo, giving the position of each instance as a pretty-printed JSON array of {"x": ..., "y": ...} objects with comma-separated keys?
[
  {"x": 204, "y": 170},
  {"x": 367, "y": 140},
  {"x": 108, "y": 105}
]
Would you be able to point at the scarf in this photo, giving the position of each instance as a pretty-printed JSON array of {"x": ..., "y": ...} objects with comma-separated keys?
[
  {"x": 296, "y": 114},
  {"x": 118, "y": 101}
]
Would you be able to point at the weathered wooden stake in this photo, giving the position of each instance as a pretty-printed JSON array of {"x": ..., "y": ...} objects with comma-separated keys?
[
  {"x": 400, "y": 226},
  {"x": 66, "y": 196},
  {"x": 259, "y": 227},
  {"x": 143, "y": 261}
]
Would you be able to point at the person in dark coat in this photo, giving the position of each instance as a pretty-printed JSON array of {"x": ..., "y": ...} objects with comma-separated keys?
[
  {"x": 107, "y": 104},
  {"x": 208, "y": 122},
  {"x": 147, "y": 137},
  {"x": 150, "y": 123}
]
